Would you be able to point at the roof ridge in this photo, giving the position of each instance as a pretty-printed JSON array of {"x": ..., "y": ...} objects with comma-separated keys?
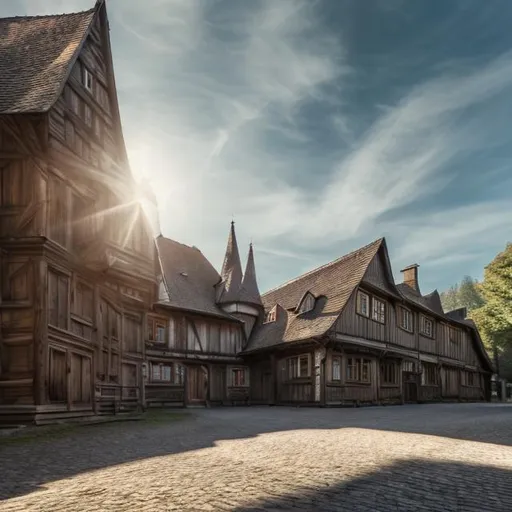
[
  {"x": 179, "y": 243},
  {"x": 321, "y": 267},
  {"x": 42, "y": 16}
]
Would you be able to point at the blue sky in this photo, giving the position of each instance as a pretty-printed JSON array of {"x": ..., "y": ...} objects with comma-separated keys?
[{"x": 321, "y": 125}]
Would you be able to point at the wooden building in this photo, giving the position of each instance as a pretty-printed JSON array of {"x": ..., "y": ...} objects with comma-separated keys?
[
  {"x": 345, "y": 333},
  {"x": 200, "y": 325},
  {"x": 77, "y": 258}
]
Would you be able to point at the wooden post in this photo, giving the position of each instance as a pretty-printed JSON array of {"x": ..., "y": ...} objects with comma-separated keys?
[
  {"x": 273, "y": 387},
  {"x": 40, "y": 332}
]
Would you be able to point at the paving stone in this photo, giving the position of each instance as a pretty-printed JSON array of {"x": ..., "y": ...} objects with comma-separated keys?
[{"x": 442, "y": 457}]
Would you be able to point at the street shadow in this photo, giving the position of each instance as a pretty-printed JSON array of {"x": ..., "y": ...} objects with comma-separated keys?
[
  {"x": 411, "y": 485},
  {"x": 27, "y": 466}
]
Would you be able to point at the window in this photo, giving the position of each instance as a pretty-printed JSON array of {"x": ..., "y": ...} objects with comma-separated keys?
[
  {"x": 238, "y": 377},
  {"x": 161, "y": 372},
  {"x": 58, "y": 288},
  {"x": 405, "y": 319},
  {"x": 363, "y": 301},
  {"x": 358, "y": 369},
  {"x": 389, "y": 373},
  {"x": 79, "y": 145},
  {"x": 156, "y": 330},
  {"x": 427, "y": 326},
  {"x": 132, "y": 333},
  {"x": 307, "y": 304},
  {"x": 429, "y": 375},
  {"x": 271, "y": 315},
  {"x": 299, "y": 367},
  {"x": 88, "y": 115},
  {"x": 87, "y": 79},
  {"x": 160, "y": 333},
  {"x": 378, "y": 310},
  {"x": 336, "y": 368},
  {"x": 70, "y": 133}
]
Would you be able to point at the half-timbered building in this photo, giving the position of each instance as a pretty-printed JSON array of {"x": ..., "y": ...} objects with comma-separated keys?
[
  {"x": 200, "y": 326},
  {"x": 77, "y": 258},
  {"x": 345, "y": 333}
]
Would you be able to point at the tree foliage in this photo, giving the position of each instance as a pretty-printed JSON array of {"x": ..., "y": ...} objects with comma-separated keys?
[
  {"x": 489, "y": 304},
  {"x": 465, "y": 294}
]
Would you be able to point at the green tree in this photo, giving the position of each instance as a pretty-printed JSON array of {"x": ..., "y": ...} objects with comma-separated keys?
[
  {"x": 494, "y": 318},
  {"x": 465, "y": 294}
]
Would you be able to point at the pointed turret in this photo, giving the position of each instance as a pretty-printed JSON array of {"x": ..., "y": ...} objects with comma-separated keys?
[
  {"x": 250, "y": 293},
  {"x": 231, "y": 271}
]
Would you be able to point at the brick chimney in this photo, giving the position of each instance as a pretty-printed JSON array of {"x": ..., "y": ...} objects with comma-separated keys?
[{"x": 411, "y": 276}]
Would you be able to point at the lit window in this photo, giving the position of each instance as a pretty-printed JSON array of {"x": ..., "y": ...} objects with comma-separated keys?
[
  {"x": 363, "y": 304},
  {"x": 406, "y": 319},
  {"x": 87, "y": 79},
  {"x": 378, "y": 310}
]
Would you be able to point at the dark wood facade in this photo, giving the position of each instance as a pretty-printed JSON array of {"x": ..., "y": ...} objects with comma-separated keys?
[
  {"x": 77, "y": 258},
  {"x": 192, "y": 359}
]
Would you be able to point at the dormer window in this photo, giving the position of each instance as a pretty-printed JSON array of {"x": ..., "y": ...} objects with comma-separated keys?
[
  {"x": 271, "y": 315},
  {"x": 307, "y": 303},
  {"x": 87, "y": 77}
]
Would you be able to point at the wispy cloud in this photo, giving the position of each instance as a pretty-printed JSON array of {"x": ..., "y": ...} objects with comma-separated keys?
[{"x": 259, "y": 109}]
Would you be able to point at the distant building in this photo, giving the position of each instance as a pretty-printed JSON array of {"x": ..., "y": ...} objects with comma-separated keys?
[{"x": 342, "y": 333}]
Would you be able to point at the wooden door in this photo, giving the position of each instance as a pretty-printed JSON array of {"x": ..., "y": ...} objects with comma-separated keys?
[
  {"x": 196, "y": 384},
  {"x": 410, "y": 385}
]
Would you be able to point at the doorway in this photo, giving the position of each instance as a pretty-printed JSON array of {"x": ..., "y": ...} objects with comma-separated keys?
[{"x": 197, "y": 384}]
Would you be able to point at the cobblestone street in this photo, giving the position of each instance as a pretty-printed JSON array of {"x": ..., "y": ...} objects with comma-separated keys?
[{"x": 427, "y": 457}]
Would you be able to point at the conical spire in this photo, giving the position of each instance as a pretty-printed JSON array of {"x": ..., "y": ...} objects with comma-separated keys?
[
  {"x": 231, "y": 270},
  {"x": 250, "y": 292}
]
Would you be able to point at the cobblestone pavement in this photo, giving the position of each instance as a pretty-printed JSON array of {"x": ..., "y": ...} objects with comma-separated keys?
[{"x": 428, "y": 457}]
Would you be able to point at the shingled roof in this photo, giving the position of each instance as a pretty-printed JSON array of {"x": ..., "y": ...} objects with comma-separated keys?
[
  {"x": 189, "y": 278},
  {"x": 330, "y": 284},
  {"x": 36, "y": 56}
]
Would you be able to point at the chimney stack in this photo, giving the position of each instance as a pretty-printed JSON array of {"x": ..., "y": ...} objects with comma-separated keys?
[{"x": 411, "y": 276}]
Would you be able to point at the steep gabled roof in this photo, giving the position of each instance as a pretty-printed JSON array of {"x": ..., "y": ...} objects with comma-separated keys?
[
  {"x": 249, "y": 291},
  {"x": 36, "y": 56},
  {"x": 331, "y": 284},
  {"x": 231, "y": 273},
  {"x": 189, "y": 278}
]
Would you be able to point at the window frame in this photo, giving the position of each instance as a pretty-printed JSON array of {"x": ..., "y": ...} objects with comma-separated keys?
[
  {"x": 295, "y": 360},
  {"x": 429, "y": 369},
  {"x": 271, "y": 316},
  {"x": 401, "y": 310},
  {"x": 336, "y": 376},
  {"x": 87, "y": 80},
  {"x": 423, "y": 320},
  {"x": 306, "y": 304},
  {"x": 359, "y": 302},
  {"x": 376, "y": 318},
  {"x": 156, "y": 323},
  {"x": 160, "y": 367},
  {"x": 359, "y": 363},
  {"x": 389, "y": 368},
  {"x": 243, "y": 382}
]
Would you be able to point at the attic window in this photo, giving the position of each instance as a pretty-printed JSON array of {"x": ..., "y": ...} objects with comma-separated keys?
[
  {"x": 271, "y": 315},
  {"x": 87, "y": 77},
  {"x": 307, "y": 303}
]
